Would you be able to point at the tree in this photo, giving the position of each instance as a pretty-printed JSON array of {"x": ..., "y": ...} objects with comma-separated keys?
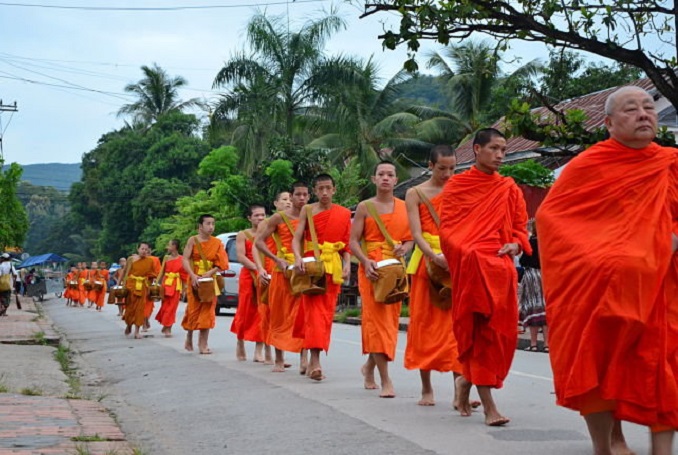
[
  {"x": 626, "y": 31},
  {"x": 157, "y": 94},
  {"x": 45, "y": 206},
  {"x": 13, "y": 217}
]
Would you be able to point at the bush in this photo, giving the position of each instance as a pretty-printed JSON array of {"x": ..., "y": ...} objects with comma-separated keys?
[{"x": 529, "y": 173}]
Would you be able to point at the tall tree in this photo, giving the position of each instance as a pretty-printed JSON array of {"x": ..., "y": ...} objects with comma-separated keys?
[
  {"x": 157, "y": 93},
  {"x": 13, "y": 217},
  {"x": 640, "y": 33}
]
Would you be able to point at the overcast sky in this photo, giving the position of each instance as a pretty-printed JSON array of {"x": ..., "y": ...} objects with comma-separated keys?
[{"x": 101, "y": 51}]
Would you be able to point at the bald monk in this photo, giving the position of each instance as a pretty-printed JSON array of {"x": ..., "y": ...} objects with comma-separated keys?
[
  {"x": 430, "y": 338},
  {"x": 380, "y": 321},
  {"x": 173, "y": 281},
  {"x": 102, "y": 277},
  {"x": 82, "y": 277},
  {"x": 283, "y": 305},
  {"x": 201, "y": 315},
  {"x": 71, "y": 283},
  {"x": 141, "y": 271},
  {"x": 247, "y": 321},
  {"x": 332, "y": 225},
  {"x": 483, "y": 225},
  {"x": 118, "y": 276},
  {"x": 608, "y": 235}
]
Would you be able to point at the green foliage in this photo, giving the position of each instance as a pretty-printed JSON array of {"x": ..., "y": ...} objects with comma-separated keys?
[
  {"x": 350, "y": 183},
  {"x": 13, "y": 218},
  {"x": 45, "y": 206},
  {"x": 528, "y": 173},
  {"x": 219, "y": 162}
]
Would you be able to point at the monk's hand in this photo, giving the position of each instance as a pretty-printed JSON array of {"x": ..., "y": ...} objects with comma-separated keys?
[
  {"x": 400, "y": 250},
  {"x": 299, "y": 265},
  {"x": 264, "y": 277},
  {"x": 440, "y": 261},
  {"x": 281, "y": 263},
  {"x": 370, "y": 268},
  {"x": 512, "y": 249},
  {"x": 194, "y": 280},
  {"x": 346, "y": 272}
]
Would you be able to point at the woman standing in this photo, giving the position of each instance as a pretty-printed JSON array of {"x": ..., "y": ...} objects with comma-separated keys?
[
  {"x": 531, "y": 296},
  {"x": 173, "y": 280}
]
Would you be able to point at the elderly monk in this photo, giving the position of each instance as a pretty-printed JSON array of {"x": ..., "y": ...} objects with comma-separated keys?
[
  {"x": 609, "y": 271},
  {"x": 483, "y": 225},
  {"x": 430, "y": 338},
  {"x": 204, "y": 257},
  {"x": 172, "y": 280},
  {"x": 380, "y": 321},
  {"x": 332, "y": 224},
  {"x": 246, "y": 324},
  {"x": 142, "y": 269},
  {"x": 283, "y": 305}
]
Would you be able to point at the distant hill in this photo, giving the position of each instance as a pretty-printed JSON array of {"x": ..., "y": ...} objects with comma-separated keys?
[{"x": 57, "y": 175}]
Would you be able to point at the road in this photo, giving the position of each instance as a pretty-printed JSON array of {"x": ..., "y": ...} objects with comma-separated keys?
[{"x": 169, "y": 401}]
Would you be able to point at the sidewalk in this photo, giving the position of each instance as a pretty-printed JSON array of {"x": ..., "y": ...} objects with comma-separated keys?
[{"x": 35, "y": 415}]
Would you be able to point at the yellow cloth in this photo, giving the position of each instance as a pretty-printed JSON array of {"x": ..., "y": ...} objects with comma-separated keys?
[
  {"x": 329, "y": 255},
  {"x": 169, "y": 280},
  {"x": 433, "y": 241},
  {"x": 138, "y": 282},
  {"x": 202, "y": 270},
  {"x": 286, "y": 255}
]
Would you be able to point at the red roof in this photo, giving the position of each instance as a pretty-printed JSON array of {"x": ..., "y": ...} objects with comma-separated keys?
[{"x": 593, "y": 105}]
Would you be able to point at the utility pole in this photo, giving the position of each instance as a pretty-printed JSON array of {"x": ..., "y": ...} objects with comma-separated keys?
[{"x": 5, "y": 108}]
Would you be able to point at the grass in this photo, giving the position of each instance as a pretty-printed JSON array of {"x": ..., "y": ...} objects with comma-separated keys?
[
  {"x": 84, "y": 438},
  {"x": 348, "y": 313},
  {"x": 31, "y": 391},
  {"x": 39, "y": 338},
  {"x": 63, "y": 356},
  {"x": 3, "y": 387}
]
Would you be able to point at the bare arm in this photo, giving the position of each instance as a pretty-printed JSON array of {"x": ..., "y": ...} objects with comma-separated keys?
[
  {"x": 240, "y": 250},
  {"x": 187, "y": 263},
  {"x": 674, "y": 241},
  {"x": 264, "y": 231},
  {"x": 412, "y": 202},
  {"x": 298, "y": 241},
  {"x": 357, "y": 228}
]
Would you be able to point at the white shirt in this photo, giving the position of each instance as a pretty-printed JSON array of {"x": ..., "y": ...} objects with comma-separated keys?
[{"x": 6, "y": 268}]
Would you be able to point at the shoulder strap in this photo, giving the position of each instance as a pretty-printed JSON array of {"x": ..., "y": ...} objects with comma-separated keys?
[
  {"x": 287, "y": 221},
  {"x": 202, "y": 253},
  {"x": 314, "y": 235},
  {"x": 372, "y": 209},
  {"x": 162, "y": 268},
  {"x": 427, "y": 203},
  {"x": 278, "y": 242}
]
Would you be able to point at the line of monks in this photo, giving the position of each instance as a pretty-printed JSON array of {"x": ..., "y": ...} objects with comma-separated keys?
[{"x": 85, "y": 285}]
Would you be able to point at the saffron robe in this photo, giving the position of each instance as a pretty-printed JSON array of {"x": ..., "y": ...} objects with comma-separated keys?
[
  {"x": 103, "y": 275},
  {"x": 430, "y": 337},
  {"x": 150, "y": 303},
  {"x": 263, "y": 308},
  {"x": 380, "y": 322},
  {"x": 610, "y": 281},
  {"x": 201, "y": 315},
  {"x": 247, "y": 321},
  {"x": 82, "y": 292},
  {"x": 479, "y": 214},
  {"x": 141, "y": 272},
  {"x": 173, "y": 282},
  {"x": 71, "y": 294},
  {"x": 333, "y": 228},
  {"x": 283, "y": 305}
]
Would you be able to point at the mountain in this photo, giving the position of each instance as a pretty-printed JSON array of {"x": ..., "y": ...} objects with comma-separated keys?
[{"x": 57, "y": 175}]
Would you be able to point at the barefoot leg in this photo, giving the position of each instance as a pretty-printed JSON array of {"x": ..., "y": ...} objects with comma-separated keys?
[
  {"x": 303, "y": 361},
  {"x": 240, "y": 353},
  {"x": 662, "y": 442},
  {"x": 203, "y": 338},
  {"x": 314, "y": 370},
  {"x": 462, "y": 392},
  {"x": 492, "y": 416},
  {"x": 387, "y": 390},
  {"x": 600, "y": 426},
  {"x": 259, "y": 352},
  {"x": 268, "y": 360},
  {"x": 426, "y": 389},
  {"x": 279, "y": 366},
  {"x": 367, "y": 371},
  {"x": 619, "y": 446},
  {"x": 188, "y": 344}
]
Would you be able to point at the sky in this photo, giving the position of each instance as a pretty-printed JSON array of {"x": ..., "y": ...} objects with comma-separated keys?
[{"x": 67, "y": 68}]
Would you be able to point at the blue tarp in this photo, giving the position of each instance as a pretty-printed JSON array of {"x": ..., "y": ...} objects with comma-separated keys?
[{"x": 42, "y": 259}]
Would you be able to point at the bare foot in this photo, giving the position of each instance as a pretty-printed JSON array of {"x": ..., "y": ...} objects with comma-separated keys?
[
  {"x": 426, "y": 399},
  {"x": 206, "y": 351},
  {"x": 387, "y": 390},
  {"x": 277, "y": 368},
  {"x": 240, "y": 351},
  {"x": 370, "y": 383},
  {"x": 495, "y": 419},
  {"x": 302, "y": 370},
  {"x": 317, "y": 375},
  {"x": 188, "y": 345},
  {"x": 268, "y": 362},
  {"x": 128, "y": 330},
  {"x": 462, "y": 393},
  {"x": 138, "y": 336},
  {"x": 287, "y": 365}
]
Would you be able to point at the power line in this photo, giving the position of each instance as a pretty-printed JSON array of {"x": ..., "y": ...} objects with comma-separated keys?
[{"x": 156, "y": 8}]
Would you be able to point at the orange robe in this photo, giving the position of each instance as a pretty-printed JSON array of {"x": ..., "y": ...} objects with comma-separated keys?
[
  {"x": 142, "y": 271},
  {"x": 97, "y": 297},
  {"x": 430, "y": 337},
  {"x": 283, "y": 305},
  {"x": 247, "y": 320},
  {"x": 201, "y": 315},
  {"x": 479, "y": 214},
  {"x": 610, "y": 282},
  {"x": 82, "y": 292},
  {"x": 380, "y": 321},
  {"x": 72, "y": 294},
  {"x": 332, "y": 226},
  {"x": 263, "y": 308},
  {"x": 173, "y": 282},
  {"x": 150, "y": 303}
]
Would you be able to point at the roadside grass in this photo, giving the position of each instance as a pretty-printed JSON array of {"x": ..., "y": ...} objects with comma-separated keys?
[
  {"x": 31, "y": 391},
  {"x": 39, "y": 338},
  {"x": 85, "y": 438},
  {"x": 347, "y": 313},
  {"x": 63, "y": 356},
  {"x": 3, "y": 386}
]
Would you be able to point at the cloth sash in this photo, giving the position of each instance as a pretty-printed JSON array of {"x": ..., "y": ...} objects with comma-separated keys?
[
  {"x": 138, "y": 283},
  {"x": 329, "y": 255},
  {"x": 204, "y": 267},
  {"x": 169, "y": 280},
  {"x": 433, "y": 241}
]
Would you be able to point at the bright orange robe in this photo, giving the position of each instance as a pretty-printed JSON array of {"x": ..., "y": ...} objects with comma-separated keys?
[
  {"x": 479, "y": 214},
  {"x": 247, "y": 320},
  {"x": 135, "y": 302},
  {"x": 150, "y": 303},
  {"x": 263, "y": 308},
  {"x": 380, "y": 321},
  {"x": 174, "y": 281},
  {"x": 82, "y": 292},
  {"x": 610, "y": 281},
  {"x": 332, "y": 225},
  {"x": 72, "y": 294},
  {"x": 283, "y": 305},
  {"x": 201, "y": 315},
  {"x": 101, "y": 298},
  {"x": 430, "y": 337},
  {"x": 97, "y": 297}
]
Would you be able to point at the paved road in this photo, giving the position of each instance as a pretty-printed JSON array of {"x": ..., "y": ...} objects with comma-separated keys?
[{"x": 170, "y": 402}]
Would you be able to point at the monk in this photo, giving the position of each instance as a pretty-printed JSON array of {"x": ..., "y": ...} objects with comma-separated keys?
[
  {"x": 431, "y": 345},
  {"x": 247, "y": 321},
  {"x": 173, "y": 279},
  {"x": 141, "y": 271},
  {"x": 71, "y": 286},
  {"x": 150, "y": 301},
  {"x": 82, "y": 277},
  {"x": 99, "y": 278},
  {"x": 119, "y": 275},
  {"x": 283, "y": 305},
  {"x": 380, "y": 321},
  {"x": 204, "y": 257},
  {"x": 608, "y": 238},
  {"x": 483, "y": 225},
  {"x": 332, "y": 225}
]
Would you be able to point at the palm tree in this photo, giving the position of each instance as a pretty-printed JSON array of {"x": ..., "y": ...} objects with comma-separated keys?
[
  {"x": 272, "y": 87},
  {"x": 157, "y": 94}
]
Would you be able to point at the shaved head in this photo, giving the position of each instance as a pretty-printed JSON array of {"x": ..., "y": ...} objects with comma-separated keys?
[
  {"x": 613, "y": 100},
  {"x": 631, "y": 117}
]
